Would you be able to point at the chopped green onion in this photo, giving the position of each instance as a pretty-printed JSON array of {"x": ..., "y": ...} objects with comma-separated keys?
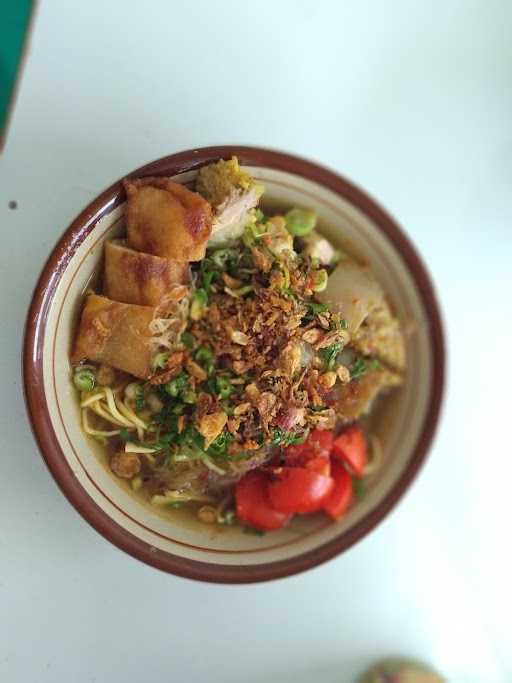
[
  {"x": 224, "y": 387},
  {"x": 280, "y": 437},
  {"x": 219, "y": 446},
  {"x": 300, "y": 222},
  {"x": 289, "y": 293},
  {"x": 208, "y": 278},
  {"x": 224, "y": 257},
  {"x": 199, "y": 303},
  {"x": 125, "y": 435},
  {"x": 188, "y": 340},
  {"x": 251, "y": 235},
  {"x": 160, "y": 360},
  {"x": 84, "y": 379},
  {"x": 317, "y": 308},
  {"x": 176, "y": 385},
  {"x": 189, "y": 397},
  {"x": 211, "y": 385},
  {"x": 320, "y": 278},
  {"x": 203, "y": 355},
  {"x": 260, "y": 216},
  {"x": 241, "y": 291}
]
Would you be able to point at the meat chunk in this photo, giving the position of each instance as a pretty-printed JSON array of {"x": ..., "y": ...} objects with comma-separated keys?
[
  {"x": 233, "y": 193},
  {"x": 125, "y": 465},
  {"x": 166, "y": 219},
  {"x": 115, "y": 334},
  {"x": 380, "y": 335},
  {"x": 318, "y": 247},
  {"x": 356, "y": 398},
  {"x": 353, "y": 292},
  {"x": 133, "y": 277}
]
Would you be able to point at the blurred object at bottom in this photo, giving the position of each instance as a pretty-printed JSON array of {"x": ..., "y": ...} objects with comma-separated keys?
[{"x": 399, "y": 670}]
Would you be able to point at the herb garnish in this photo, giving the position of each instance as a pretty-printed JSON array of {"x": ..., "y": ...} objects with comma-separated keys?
[
  {"x": 328, "y": 355},
  {"x": 360, "y": 366}
]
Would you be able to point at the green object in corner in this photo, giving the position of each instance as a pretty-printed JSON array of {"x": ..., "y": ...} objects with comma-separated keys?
[{"x": 14, "y": 22}]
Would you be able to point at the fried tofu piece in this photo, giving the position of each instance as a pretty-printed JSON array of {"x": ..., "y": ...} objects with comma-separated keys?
[
  {"x": 357, "y": 397},
  {"x": 133, "y": 277},
  {"x": 116, "y": 334},
  {"x": 166, "y": 219},
  {"x": 381, "y": 336}
]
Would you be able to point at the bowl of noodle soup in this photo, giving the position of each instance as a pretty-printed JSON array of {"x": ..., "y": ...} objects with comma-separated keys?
[{"x": 399, "y": 428}]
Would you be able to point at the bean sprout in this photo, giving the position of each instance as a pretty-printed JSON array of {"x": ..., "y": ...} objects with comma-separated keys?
[{"x": 377, "y": 456}]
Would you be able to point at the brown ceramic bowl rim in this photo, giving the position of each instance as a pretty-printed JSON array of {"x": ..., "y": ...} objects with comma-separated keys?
[{"x": 33, "y": 366}]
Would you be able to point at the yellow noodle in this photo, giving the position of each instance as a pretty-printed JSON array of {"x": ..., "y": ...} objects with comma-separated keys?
[
  {"x": 130, "y": 415},
  {"x": 94, "y": 432},
  {"x": 180, "y": 497},
  {"x": 212, "y": 466},
  {"x": 91, "y": 399},
  {"x": 113, "y": 408},
  {"x": 103, "y": 412}
]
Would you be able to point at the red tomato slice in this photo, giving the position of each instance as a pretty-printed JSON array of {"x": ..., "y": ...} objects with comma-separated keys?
[
  {"x": 296, "y": 489},
  {"x": 350, "y": 447},
  {"x": 253, "y": 504},
  {"x": 321, "y": 441},
  {"x": 318, "y": 443},
  {"x": 320, "y": 465},
  {"x": 341, "y": 496}
]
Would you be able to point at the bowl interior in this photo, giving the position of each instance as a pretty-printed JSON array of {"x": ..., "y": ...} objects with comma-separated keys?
[{"x": 398, "y": 421}]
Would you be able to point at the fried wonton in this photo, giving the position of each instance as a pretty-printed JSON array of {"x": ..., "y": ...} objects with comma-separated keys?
[
  {"x": 116, "y": 334},
  {"x": 137, "y": 278},
  {"x": 166, "y": 219}
]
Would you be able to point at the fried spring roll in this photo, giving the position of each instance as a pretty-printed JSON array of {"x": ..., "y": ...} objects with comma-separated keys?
[
  {"x": 166, "y": 219},
  {"x": 116, "y": 334},
  {"x": 137, "y": 278}
]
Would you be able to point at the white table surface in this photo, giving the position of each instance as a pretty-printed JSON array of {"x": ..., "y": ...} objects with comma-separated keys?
[{"x": 413, "y": 101}]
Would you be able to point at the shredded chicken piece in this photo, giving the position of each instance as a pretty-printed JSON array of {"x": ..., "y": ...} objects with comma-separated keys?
[
  {"x": 167, "y": 330},
  {"x": 232, "y": 193}
]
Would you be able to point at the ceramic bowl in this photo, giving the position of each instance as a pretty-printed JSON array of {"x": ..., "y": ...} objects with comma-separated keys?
[{"x": 405, "y": 422}]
